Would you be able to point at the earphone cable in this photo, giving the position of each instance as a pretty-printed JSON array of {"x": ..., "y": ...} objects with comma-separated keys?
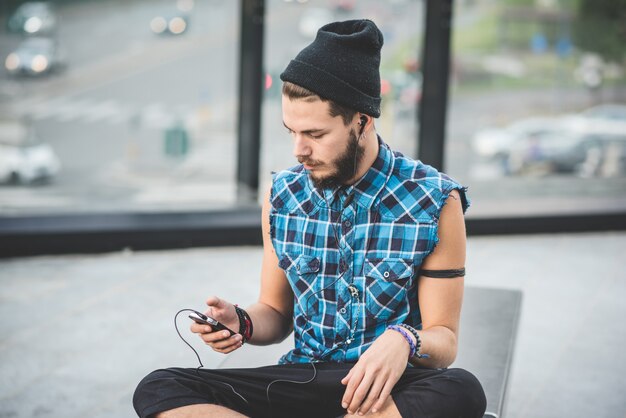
[
  {"x": 198, "y": 355},
  {"x": 184, "y": 340},
  {"x": 267, "y": 390}
]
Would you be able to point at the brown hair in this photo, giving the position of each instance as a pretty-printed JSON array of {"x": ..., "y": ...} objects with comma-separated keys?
[{"x": 295, "y": 92}]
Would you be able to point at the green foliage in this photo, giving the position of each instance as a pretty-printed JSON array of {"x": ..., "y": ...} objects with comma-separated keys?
[
  {"x": 480, "y": 37},
  {"x": 601, "y": 28}
]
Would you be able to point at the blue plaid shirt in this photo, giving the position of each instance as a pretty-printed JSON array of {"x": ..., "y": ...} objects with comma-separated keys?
[{"x": 351, "y": 255}]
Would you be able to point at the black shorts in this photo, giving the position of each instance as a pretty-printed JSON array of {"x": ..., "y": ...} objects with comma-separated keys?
[{"x": 305, "y": 390}]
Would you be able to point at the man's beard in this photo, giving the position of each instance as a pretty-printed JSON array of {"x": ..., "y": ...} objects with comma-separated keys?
[{"x": 345, "y": 165}]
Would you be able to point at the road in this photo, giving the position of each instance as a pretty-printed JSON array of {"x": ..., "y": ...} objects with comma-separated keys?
[{"x": 106, "y": 114}]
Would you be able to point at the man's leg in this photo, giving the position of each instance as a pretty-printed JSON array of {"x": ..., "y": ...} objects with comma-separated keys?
[
  {"x": 200, "y": 411},
  {"x": 433, "y": 393},
  {"x": 185, "y": 391},
  {"x": 439, "y": 393},
  {"x": 302, "y": 390},
  {"x": 389, "y": 410}
]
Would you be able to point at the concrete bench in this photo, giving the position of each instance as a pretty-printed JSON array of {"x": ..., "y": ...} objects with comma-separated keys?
[{"x": 487, "y": 340}]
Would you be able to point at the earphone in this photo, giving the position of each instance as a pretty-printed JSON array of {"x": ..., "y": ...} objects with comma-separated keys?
[{"x": 363, "y": 122}]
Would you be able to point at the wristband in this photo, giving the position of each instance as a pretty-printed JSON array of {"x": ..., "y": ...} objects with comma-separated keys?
[
  {"x": 406, "y": 336},
  {"x": 245, "y": 324},
  {"x": 418, "y": 341}
]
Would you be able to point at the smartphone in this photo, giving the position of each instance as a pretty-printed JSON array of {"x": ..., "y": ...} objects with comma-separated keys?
[{"x": 214, "y": 323}]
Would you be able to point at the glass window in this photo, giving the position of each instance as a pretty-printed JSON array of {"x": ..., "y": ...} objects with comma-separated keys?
[
  {"x": 118, "y": 106},
  {"x": 537, "y": 111},
  {"x": 292, "y": 25}
]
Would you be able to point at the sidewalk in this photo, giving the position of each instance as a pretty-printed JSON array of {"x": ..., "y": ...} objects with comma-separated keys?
[{"x": 79, "y": 332}]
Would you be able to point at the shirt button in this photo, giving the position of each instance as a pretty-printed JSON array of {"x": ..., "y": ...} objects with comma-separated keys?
[
  {"x": 386, "y": 274},
  {"x": 347, "y": 224},
  {"x": 342, "y": 310}
]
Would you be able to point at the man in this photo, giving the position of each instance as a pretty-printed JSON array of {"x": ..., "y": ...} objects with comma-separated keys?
[{"x": 364, "y": 254}]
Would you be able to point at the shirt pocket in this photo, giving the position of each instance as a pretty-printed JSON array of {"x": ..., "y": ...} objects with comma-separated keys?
[
  {"x": 302, "y": 272},
  {"x": 386, "y": 286}
]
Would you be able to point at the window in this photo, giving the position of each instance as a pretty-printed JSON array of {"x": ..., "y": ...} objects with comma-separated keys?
[
  {"x": 537, "y": 109},
  {"x": 132, "y": 104}
]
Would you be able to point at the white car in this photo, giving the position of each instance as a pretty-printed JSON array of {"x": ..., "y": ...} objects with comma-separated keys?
[
  {"x": 33, "y": 18},
  {"x": 495, "y": 143},
  {"x": 608, "y": 111},
  {"x": 36, "y": 56},
  {"x": 584, "y": 146},
  {"x": 23, "y": 159}
]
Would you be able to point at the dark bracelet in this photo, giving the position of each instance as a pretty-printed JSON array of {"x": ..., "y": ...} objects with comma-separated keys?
[
  {"x": 418, "y": 341},
  {"x": 245, "y": 324},
  {"x": 443, "y": 274}
]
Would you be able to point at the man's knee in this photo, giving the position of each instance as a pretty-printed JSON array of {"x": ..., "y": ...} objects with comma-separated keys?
[
  {"x": 444, "y": 393},
  {"x": 150, "y": 389},
  {"x": 469, "y": 396},
  {"x": 151, "y": 382}
]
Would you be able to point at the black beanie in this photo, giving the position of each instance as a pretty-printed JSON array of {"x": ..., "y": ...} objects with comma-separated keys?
[{"x": 342, "y": 65}]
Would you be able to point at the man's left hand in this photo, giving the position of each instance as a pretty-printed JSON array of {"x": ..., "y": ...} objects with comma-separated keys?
[{"x": 370, "y": 381}]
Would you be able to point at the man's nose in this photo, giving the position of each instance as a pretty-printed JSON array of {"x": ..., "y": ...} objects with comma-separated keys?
[{"x": 300, "y": 147}]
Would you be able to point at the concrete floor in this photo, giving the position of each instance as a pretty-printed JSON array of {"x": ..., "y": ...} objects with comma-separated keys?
[{"x": 79, "y": 332}]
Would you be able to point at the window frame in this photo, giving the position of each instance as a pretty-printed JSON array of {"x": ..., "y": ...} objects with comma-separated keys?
[{"x": 241, "y": 225}]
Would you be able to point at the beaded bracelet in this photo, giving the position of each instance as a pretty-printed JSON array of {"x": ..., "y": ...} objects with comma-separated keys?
[
  {"x": 418, "y": 340},
  {"x": 406, "y": 336},
  {"x": 245, "y": 324}
]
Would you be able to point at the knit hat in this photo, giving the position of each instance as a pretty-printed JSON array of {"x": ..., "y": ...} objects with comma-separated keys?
[{"x": 342, "y": 65}]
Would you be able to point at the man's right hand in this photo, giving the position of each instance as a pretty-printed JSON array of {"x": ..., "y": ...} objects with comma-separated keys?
[{"x": 220, "y": 341}]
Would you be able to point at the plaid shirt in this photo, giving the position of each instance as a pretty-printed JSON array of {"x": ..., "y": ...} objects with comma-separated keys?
[{"x": 351, "y": 254}]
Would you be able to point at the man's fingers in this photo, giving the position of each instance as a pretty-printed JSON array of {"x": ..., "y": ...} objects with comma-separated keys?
[
  {"x": 200, "y": 328},
  {"x": 213, "y": 301},
  {"x": 360, "y": 393},
  {"x": 372, "y": 396},
  {"x": 217, "y": 337},
  {"x": 355, "y": 378},
  {"x": 216, "y": 307},
  {"x": 384, "y": 395},
  {"x": 346, "y": 379},
  {"x": 218, "y": 341},
  {"x": 227, "y": 346}
]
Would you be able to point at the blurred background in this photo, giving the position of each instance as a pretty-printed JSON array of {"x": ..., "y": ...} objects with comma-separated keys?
[
  {"x": 120, "y": 131},
  {"x": 111, "y": 105}
]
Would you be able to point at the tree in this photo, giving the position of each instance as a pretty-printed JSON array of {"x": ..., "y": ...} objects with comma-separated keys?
[{"x": 601, "y": 28}]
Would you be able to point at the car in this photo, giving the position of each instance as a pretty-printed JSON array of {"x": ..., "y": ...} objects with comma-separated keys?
[
  {"x": 495, "y": 143},
  {"x": 170, "y": 23},
  {"x": 594, "y": 148},
  {"x": 24, "y": 159},
  {"x": 35, "y": 56},
  {"x": 608, "y": 111},
  {"x": 33, "y": 18}
]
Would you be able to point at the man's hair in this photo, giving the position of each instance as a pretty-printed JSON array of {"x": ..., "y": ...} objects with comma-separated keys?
[{"x": 294, "y": 92}]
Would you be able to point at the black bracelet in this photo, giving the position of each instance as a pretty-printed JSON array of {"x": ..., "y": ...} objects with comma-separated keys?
[
  {"x": 418, "y": 341},
  {"x": 245, "y": 324},
  {"x": 443, "y": 274}
]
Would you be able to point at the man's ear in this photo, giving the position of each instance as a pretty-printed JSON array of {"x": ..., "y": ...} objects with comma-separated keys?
[{"x": 363, "y": 122}]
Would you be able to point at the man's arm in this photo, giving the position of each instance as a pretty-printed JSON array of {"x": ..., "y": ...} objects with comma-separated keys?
[
  {"x": 440, "y": 300},
  {"x": 370, "y": 381},
  {"x": 271, "y": 316}
]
